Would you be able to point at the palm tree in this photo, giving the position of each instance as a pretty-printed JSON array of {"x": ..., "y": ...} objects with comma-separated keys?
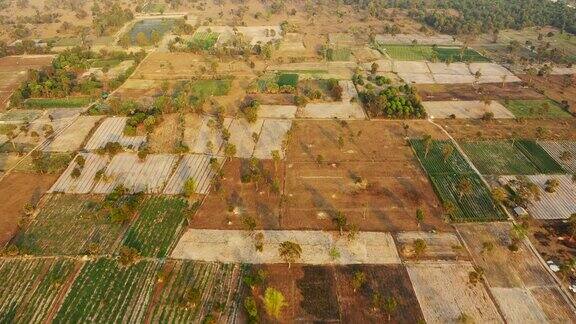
[
  {"x": 447, "y": 150},
  {"x": 419, "y": 216},
  {"x": 290, "y": 252},
  {"x": 274, "y": 301},
  {"x": 276, "y": 157},
  {"x": 464, "y": 187},
  {"x": 572, "y": 224},
  {"x": 390, "y": 305}
]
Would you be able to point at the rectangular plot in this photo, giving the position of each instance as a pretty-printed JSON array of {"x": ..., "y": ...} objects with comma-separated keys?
[
  {"x": 539, "y": 157},
  {"x": 518, "y": 306},
  {"x": 126, "y": 169},
  {"x": 106, "y": 292},
  {"x": 453, "y": 78},
  {"x": 31, "y": 288},
  {"x": 498, "y": 157},
  {"x": 195, "y": 166},
  {"x": 85, "y": 182},
  {"x": 203, "y": 136},
  {"x": 73, "y": 136},
  {"x": 444, "y": 293},
  {"x": 554, "y": 304},
  {"x": 71, "y": 225},
  {"x": 489, "y": 69},
  {"x": 417, "y": 78},
  {"x": 410, "y": 67},
  {"x": 438, "y": 245},
  {"x": 562, "y": 152},
  {"x": 552, "y": 205},
  {"x": 474, "y": 205},
  {"x": 158, "y": 226},
  {"x": 216, "y": 284},
  {"x": 474, "y": 109},
  {"x": 536, "y": 109},
  {"x": 112, "y": 130},
  {"x": 434, "y": 161},
  {"x": 238, "y": 246},
  {"x": 272, "y": 138},
  {"x": 277, "y": 111},
  {"x": 339, "y": 110},
  {"x": 241, "y": 135},
  {"x": 452, "y": 68}
]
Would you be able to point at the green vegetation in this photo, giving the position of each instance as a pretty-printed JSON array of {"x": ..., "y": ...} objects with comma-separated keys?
[
  {"x": 393, "y": 102},
  {"x": 194, "y": 289},
  {"x": 147, "y": 32},
  {"x": 521, "y": 157},
  {"x": 460, "y": 189},
  {"x": 106, "y": 292},
  {"x": 110, "y": 18},
  {"x": 207, "y": 88},
  {"x": 287, "y": 79},
  {"x": 338, "y": 54},
  {"x": 70, "y": 102},
  {"x": 431, "y": 53},
  {"x": 202, "y": 41},
  {"x": 89, "y": 228},
  {"x": 30, "y": 288},
  {"x": 536, "y": 109},
  {"x": 158, "y": 226}
]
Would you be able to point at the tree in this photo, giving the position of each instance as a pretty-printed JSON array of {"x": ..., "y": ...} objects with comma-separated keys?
[
  {"x": 189, "y": 187},
  {"x": 290, "y": 252},
  {"x": 419, "y": 247},
  {"x": 274, "y": 302},
  {"x": 566, "y": 156},
  {"x": 427, "y": 144},
  {"x": 552, "y": 185},
  {"x": 517, "y": 233},
  {"x": 358, "y": 280},
  {"x": 230, "y": 150},
  {"x": 572, "y": 224},
  {"x": 499, "y": 194},
  {"x": 141, "y": 39},
  {"x": 447, "y": 151},
  {"x": 276, "y": 158},
  {"x": 390, "y": 306},
  {"x": 464, "y": 187},
  {"x": 374, "y": 68},
  {"x": 155, "y": 37},
  {"x": 128, "y": 255},
  {"x": 419, "y": 216},
  {"x": 340, "y": 221}
]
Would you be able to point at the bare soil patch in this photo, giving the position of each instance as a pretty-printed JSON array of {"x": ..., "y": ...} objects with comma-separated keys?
[
  {"x": 438, "y": 92},
  {"x": 509, "y": 128},
  {"x": 17, "y": 190},
  {"x": 554, "y": 87},
  {"x": 166, "y": 135}
]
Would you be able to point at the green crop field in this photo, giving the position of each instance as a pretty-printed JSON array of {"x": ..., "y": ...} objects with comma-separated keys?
[
  {"x": 434, "y": 161},
  {"x": 475, "y": 205},
  {"x": 71, "y": 102},
  {"x": 430, "y": 53},
  {"x": 338, "y": 54},
  {"x": 498, "y": 158},
  {"x": 30, "y": 286},
  {"x": 206, "y": 88},
  {"x": 290, "y": 79},
  {"x": 193, "y": 289},
  {"x": 539, "y": 157},
  {"x": 70, "y": 225},
  {"x": 446, "y": 172},
  {"x": 158, "y": 226},
  {"x": 536, "y": 109},
  {"x": 16, "y": 115},
  {"x": 147, "y": 26},
  {"x": 204, "y": 40},
  {"x": 106, "y": 292}
]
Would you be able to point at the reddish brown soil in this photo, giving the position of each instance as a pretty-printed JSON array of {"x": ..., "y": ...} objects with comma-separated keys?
[
  {"x": 552, "y": 240},
  {"x": 17, "y": 190},
  {"x": 272, "y": 99},
  {"x": 325, "y": 294},
  {"x": 245, "y": 199},
  {"x": 376, "y": 140},
  {"x": 555, "y": 87},
  {"x": 506, "y": 129},
  {"x": 493, "y": 91},
  {"x": 375, "y": 196}
]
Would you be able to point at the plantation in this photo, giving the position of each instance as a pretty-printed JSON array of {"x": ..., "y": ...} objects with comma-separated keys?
[
  {"x": 106, "y": 292},
  {"x": 203, "y": 40},
  {"x": 70, "y": 225},
  {"x": 157, "y": 227},
  {"x": 30, "y": 287},
  {"x": 194, "y": 291},
  {"x": 287, "y": 79},
  {"x": 148, "y": 27},
  {"x": 430, "y": 53},
  {"x": 338, "y": 54},
  {"x": 536, "y": 109},
  {"x": 510, "y": 158},
  {"x": 207, "y": 88},
  {"x": 461, "y": 191},
  {"x": 70, "y": 102},
  {"x": 474, "y": 205}
]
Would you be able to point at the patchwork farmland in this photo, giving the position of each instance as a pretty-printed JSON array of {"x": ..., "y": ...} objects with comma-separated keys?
[{"x": 281, "y": 162}]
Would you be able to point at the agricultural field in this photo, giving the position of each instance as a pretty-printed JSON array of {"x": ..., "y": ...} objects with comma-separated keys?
[
  {"x": 198, "y": 167},
  {"x": 105, "y": 291},
  {"x": 430, "y": 53},
  {"x": 557, "y": 150},
  {"x": 439, "y": 246},
  {"x": 88, "y": 228},
  {"x": 468, "y": 92},
  {"x": 204, "y": 40},
  {"x": 536, "y": 109},
  {"x": 147, "y": 27},
  {"x": 407, "y": 39},
  {"x": 510, "y": 158},
  {"x": 465, "y": 109},
  {"x": 44, "y": 103},
  {"x": 158, "y": 225},
  {"x": 72, "y": 137},
  {"x": 112, "y": 130},
  {"x": 463, "y": 194},
  {"x": 31, "y": 287}
]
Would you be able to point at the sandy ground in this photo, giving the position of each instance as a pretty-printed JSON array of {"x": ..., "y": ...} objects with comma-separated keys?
[
  {"x": 465, "y": 109},
  {"x": 238, "y": 246}
]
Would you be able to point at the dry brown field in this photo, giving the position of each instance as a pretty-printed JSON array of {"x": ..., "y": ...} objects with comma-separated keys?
[
  {"x": 554, "y": 87},
  {"x": 493, "y": 91},
  {"x": 13, "y": 70}
]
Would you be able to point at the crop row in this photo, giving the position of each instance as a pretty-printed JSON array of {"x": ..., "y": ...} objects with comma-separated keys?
[
  {"x": 30, "y": 287},
  {"x": 435, "y": 158}
]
